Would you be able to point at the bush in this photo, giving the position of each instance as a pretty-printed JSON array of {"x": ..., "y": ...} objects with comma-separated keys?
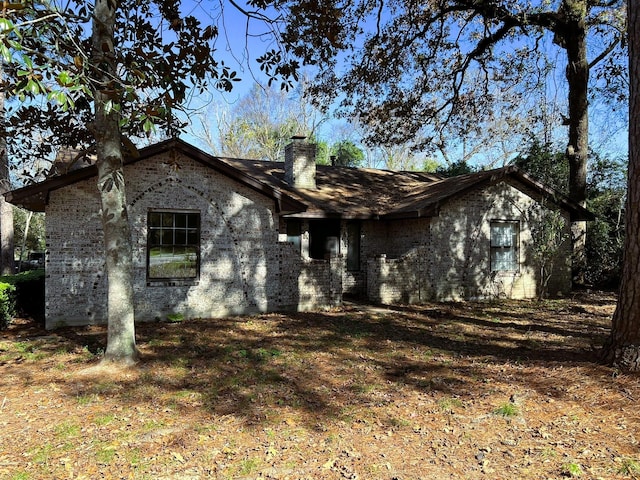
[
  {"x": 7, "y": 304},
  {"x": 28, "y": 293}
]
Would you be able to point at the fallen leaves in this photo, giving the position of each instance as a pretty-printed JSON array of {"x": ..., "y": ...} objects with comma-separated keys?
[{"x": 326, "y": 395}]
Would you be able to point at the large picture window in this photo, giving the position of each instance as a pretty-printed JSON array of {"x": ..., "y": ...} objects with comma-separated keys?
[
  {"x": 504, "y": 246},
  {"x": 173, "y": 245}
]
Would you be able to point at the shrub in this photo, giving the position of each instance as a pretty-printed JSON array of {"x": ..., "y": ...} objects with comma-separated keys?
[
  {"x": 28, "y": 292},
  {"x": 7, "y": 304}
]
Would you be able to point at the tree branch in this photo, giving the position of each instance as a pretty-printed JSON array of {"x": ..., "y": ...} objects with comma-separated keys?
[{"x": 605, "y": 53}]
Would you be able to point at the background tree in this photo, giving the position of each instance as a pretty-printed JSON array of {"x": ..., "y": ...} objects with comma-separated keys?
[
  {"x": 546, "y": 163},
  {"x": 606, "y": 192},
  {"x": 548, "y": 235},
  {"x": 606, "y": 198},
  {"x": 29, "y": 232},
  {"x": 454, "y": 169},
  {"x": 260, "y": 124},
  {"x": 345, "y": 153},
  {"x": 623, "y": 347}
]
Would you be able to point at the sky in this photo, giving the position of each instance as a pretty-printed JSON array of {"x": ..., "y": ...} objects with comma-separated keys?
[
  {"x": 239, "y": 50},
  {"x": 608, "y": 128}
]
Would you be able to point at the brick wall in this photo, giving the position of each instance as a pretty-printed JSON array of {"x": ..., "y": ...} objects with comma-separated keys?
[
  {"x": 459, "y": 250},
  {"x": 243, "y": 269},
  {"x": 247, "y": 266},
  {"x": 399, "y": 280},
  {"x": 448, "y": 257}
]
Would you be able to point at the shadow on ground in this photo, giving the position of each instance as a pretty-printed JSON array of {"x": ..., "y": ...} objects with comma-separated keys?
[{"x": 325, "y": 365}]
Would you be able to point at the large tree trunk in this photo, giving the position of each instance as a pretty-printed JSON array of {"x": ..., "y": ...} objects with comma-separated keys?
[
  {"x": 7, "y": 260},
  {"x": 623, "y": 347},
  {"x": 121, "y": 343},
  {"x": 575, "y": 38}
]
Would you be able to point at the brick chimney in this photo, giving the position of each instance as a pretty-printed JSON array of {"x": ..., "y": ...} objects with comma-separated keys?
[{"x": 300, "y": 163}]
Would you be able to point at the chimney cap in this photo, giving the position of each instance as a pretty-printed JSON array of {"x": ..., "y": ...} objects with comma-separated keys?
[{"x": 298, "y": 137}]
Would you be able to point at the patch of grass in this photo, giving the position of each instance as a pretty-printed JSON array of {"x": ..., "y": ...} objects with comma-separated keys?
[
  {"x": 105, "y": 455},
  {"x": 249, "y": 466},
  {"x": 152, "y": 425},
  {"x": 20, "y": 476},
  {"x": 181, "y": 363},
  {"x": 264, "y": 354},
  {"x": 399, "y": 422},
  {"x": 134, "y": 457},
  {"x": 449, "y": 404},
  {"x": 363, "y": 389},
  {"x": 184, "y": 394},
  {"x": 507, "y": 410},
  {"x": 427, "y": 355},
  {"x": 572, "y": 470},
  {"x": 29, "y": 351},
  {"x": 84, "y": 400},
  {"x": 42, "y": 454},
  {"x": 175, "y": 317},
  {"x": 629, "y": 467},
  {"x": 548, "y": 452},
  {"x": 106, "y": 387},
  {"x": 104, "y": 419},
  {"x": 67, "y": 429}
]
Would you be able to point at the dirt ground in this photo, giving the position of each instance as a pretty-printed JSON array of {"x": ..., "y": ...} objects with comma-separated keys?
[{"x": 500, "y": 390}]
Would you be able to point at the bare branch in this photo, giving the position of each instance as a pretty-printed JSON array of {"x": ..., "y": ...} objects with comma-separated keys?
[{"x": 605, "y": 53}]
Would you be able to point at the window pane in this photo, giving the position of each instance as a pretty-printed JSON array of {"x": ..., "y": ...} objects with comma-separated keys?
[
  {"x": 167, "y": 219},
  {"x": 192, "y": 236},
  {"x": 181, "y": 220},
  {"x": 504, "y": 246},
  {"x": 193, "y": 220},
  {"x": 181, "y": 237},
  {"x": 166, "y": 237},
  {"x": 503, "y": 260},
  {"x": 502, "y": 234},
  {"x": 154, "y": 237},
  {"x": 173, "y": 239},
  {"x": 353, "y": 246},
  {"x": 155, "y": 219},
  {"x": 294, "y": 229},
  {"x": 167, "y": 262}
]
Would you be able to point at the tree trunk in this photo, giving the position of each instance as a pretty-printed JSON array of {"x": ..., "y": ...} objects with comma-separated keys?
[
  {"x": 27, "y": 224},
  {"x": 7, "y": 261},
  {"x": 121, "y": 343},
  {"x": 623, "y": 347},
  {"x": 575, "y": 42}
]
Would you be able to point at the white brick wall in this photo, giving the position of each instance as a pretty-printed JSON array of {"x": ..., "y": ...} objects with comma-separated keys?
[
  {"x": 448, "y": 259},
  {"x": 244, "y": 268}
]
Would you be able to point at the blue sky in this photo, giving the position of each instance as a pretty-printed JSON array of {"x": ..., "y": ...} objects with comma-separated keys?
[{"x": 608, "y": 130}]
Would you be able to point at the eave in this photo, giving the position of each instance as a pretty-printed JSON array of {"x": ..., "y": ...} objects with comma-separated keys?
[{"x": 36, "y": 196}]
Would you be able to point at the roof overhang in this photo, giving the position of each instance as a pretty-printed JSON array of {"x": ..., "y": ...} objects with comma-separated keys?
[{"x": 35, "y": 197}]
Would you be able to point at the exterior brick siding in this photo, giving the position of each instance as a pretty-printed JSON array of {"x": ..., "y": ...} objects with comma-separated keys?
[
  {"x": 449, "y": 257},
  {"x": 247, "y": 266},
  {"x": 243, "y": 266}
]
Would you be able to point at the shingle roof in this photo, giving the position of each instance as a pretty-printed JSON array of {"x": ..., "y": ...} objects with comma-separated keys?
[{"x": 341, "y": 192}]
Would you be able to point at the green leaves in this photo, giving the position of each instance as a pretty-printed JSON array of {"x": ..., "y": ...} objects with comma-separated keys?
[{"x": 7, "y": 27}]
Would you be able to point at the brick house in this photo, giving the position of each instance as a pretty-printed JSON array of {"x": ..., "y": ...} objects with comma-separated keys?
[{"x": 217, "y": 236}]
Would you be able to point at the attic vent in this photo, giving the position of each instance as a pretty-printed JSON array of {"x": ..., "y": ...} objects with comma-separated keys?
[{"x": 300, "y": 163}]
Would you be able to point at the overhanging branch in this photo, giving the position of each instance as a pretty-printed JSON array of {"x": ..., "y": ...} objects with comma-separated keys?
[{"x": 605, "y": 53}]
